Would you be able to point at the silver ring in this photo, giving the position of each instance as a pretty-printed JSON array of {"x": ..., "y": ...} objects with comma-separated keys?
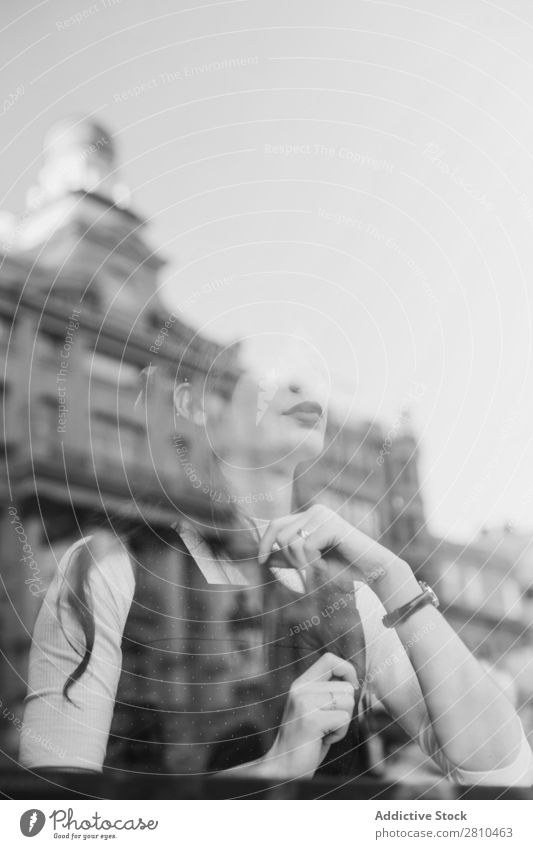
[
  {"x": 303, "y": 533},
  {"x": 333, "y": 701}
]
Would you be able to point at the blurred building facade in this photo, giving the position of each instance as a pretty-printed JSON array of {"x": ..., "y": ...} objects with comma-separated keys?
[{"x": 80, "y": 320}]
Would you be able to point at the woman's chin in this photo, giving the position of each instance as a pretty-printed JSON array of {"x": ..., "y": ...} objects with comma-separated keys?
[{"x": 307, "y": 447}]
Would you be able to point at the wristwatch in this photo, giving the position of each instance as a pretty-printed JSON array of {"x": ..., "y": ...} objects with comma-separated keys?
[{"x": 427, "y": 596}]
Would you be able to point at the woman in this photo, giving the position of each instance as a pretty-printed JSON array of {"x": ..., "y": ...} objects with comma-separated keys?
[{"x": 386, "y": 629}]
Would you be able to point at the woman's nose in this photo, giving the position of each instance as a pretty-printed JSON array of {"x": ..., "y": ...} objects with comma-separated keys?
[{"x": 303, "y": 384}]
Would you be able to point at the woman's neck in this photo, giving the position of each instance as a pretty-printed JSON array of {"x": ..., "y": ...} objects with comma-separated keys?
[{"x": 261, "y": 493}]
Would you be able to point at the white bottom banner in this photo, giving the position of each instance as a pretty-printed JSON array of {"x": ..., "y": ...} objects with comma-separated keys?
[{"x": 312, "y": 824}]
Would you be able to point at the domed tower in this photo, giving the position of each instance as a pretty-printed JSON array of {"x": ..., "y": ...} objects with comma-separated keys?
[
  {"x": 79, "y": 155},
  {"x": 78, "y": 238}
]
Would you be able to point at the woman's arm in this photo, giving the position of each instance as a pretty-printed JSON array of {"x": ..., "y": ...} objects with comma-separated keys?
[
  {"x": 71, "y": 734},
  {"x": 474, "y": 724},
  {"x": 392, "y": 679}
]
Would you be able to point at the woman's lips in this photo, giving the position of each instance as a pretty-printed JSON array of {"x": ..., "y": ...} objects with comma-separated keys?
[{"x": 306, "y": 412}]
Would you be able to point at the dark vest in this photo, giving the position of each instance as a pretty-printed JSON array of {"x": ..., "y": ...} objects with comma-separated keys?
[{"x": 207, "y": 668}]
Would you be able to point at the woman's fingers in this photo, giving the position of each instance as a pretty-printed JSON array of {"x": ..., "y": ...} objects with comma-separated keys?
[
  {"x": 329, "y": 666},
  {"x": 271, "y": 534},
  {"x": 334, "y": 685},
  {"x": 329, "y": 700},
  {"x": 329, "y": 696},
  {"x": 285, "y": 535},
  {"x": 296, "y": 542},
  {"x": 334, "y": 725},
  {"x": 301, "y": 537},
  {"x": 291, "y": 545},
  {"x": 324, "y": 529}
]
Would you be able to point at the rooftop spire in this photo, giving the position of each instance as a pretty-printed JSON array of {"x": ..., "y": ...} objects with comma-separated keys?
[{"x": 79, "y": 155}]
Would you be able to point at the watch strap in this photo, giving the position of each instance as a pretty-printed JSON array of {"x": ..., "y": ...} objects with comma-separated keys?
[{"x": 400, "y": 614}]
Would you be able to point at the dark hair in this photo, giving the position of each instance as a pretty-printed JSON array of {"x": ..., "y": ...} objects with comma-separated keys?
[{"x": 76, "y": 582}]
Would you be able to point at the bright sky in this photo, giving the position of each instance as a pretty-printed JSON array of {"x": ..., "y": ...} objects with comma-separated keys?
[{"x": 360, "y": 170}]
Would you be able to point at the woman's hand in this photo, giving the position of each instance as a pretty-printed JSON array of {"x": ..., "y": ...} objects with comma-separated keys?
[
  {"x": 303, "y": 538},
  {"x": 318, "y": 712}
]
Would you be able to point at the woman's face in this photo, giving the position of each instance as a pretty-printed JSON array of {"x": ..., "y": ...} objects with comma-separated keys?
[{"x": 278, "y": 409}]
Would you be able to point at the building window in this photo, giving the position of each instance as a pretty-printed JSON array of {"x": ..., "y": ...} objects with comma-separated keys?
[
  {"x": 109, "y": 370},
  {"x": 5, "y": 330},
  {"x": 44, "y": 421},
  {"x": 118, "y": 443},
  {"x": 131, "y": 438},
  {"x": 103, "y": 438},
  {"x": 49, "y": 346}
]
